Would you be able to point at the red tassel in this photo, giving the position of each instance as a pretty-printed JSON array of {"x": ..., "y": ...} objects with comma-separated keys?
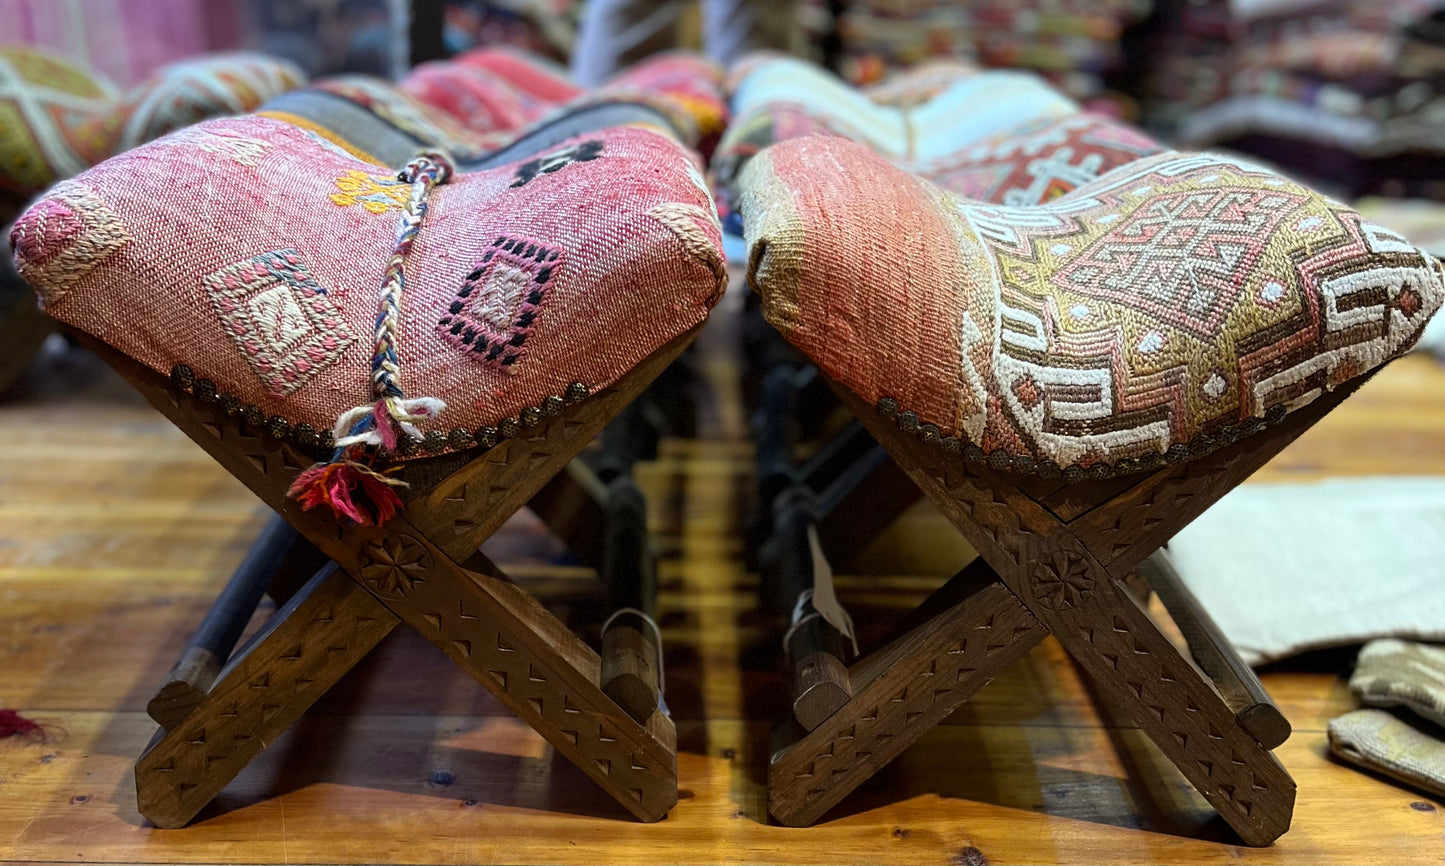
[
  {"x": 12, "y": 723},
  {"x": 350, "y": 490}
]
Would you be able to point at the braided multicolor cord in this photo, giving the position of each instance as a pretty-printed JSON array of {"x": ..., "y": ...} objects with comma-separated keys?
[
  {"x": 393, "y": 412},
  {"x": 351, "y": 489}
]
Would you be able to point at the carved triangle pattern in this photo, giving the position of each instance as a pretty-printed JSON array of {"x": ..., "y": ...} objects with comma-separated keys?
[
  {"x": 278, "y": 680},
  {"x": 518, "y": 463},
  {"x": 601, "y": 739},
  {"x": 887, "y": 716},
  {"x": 1149, "y": 679}
]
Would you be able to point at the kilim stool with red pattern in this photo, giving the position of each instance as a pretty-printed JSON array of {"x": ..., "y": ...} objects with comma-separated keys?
[
  {"x": 1006, "y": 138},
  {"x": 395, "y": 362},
  {"x": 1071, "y": 383}
]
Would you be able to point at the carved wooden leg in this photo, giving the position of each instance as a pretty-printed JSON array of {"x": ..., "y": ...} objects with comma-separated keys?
[
  {"x": 209, "y": 648},
  {"x": 902, "y": 691},
  {"x": 509, "y": 643},
  {"x": 501, "y": 635},
  {"x": 1211, "y": 650},
  {"x": 1100, "y": 624},
  {"x": 320, "y": 634},
  {"x": 1136, "y": 668},
  {"x": 1132, "y": 664}
]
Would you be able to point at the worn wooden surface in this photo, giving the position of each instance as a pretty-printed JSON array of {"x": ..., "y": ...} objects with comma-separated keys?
[{"x": 116, "y": 533}]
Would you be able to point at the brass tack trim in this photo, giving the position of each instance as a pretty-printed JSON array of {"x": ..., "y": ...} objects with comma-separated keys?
[{"x": 183, "y": 377}]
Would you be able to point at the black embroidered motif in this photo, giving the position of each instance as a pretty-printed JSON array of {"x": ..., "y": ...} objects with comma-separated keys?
[
  {"x": 496, "y": 309},
  {"x": 584, "y": 152}
]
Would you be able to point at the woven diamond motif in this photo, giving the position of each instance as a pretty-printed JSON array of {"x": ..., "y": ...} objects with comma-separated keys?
[
  {"x": 1184, "y": 258},
  {"x": 497, "y": 307},
  {"x": 279, "y": 317}
]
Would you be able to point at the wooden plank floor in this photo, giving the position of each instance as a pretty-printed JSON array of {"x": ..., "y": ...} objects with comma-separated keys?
[{"x": 116, "y": 532}]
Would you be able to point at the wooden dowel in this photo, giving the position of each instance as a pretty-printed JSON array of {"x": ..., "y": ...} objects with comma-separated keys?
[
  {"x": 206, "y": 652},
  {"x": 631, "y": 646},
  {"x": 632, "y": 664},
  {"x": 821, "y": 685},
  {"x": 1212, "y": 651},
  {"x": 814, "y": 648}
]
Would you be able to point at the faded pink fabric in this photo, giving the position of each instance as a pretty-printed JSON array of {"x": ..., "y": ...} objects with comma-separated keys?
[
  {"x": 535, "y": 76},
  {"x": 252, "y": 251},
  {"x": 479, "y": 99}
]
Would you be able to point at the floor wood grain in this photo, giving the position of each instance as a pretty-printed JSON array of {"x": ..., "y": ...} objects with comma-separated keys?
[{"x": 116, "y": 532}]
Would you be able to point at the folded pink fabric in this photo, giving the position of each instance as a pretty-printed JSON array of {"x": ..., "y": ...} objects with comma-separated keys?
[
  {"x": 251, "y": 251},
  {"x": 475, "y": 97},
  {"x": 535, "y": 76},
  {"x": 1161, "y": 310}
]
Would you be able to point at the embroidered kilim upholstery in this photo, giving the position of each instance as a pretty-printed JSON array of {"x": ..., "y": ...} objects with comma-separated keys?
[
  {"x": 472, "y": 96},
  {"x": 1170, "y": 306},
  {"x": 191, "y": 91},
  {"x": 250, "y": 250},
  {"x": 679, "y": 94},
  {"x": 56, "y": 119},
  {"x": 1002, "y": 137},
  {"x": 46, "y": 104},
  {"x": 539, "y": 78}
]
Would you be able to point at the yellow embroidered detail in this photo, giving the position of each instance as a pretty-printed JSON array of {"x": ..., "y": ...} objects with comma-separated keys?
[{"x": 377, "y": 193}]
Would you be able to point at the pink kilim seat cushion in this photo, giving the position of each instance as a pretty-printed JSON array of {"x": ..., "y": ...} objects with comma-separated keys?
[
  {"x": 251, "y": 251},
  {"x": 1165, "y": 308}
]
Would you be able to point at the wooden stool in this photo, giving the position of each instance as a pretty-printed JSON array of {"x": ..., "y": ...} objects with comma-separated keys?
[
  {"x": 1055, "y": 558},
  {"x": 1009, "y": 361},
  {"x": 220, "y": 709}
]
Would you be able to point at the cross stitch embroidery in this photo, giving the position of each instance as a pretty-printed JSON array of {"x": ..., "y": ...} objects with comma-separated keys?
[
  {"x": 496, "y": 309},
  {"x": 279, "y": 317}
]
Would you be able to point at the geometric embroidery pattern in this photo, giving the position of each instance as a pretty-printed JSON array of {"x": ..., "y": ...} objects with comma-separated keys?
[
  {"x": 497, "y": 307},
  {"x": 1033, "y": 166},
  {"x": 1163, "y": 309},
  {"x": 556, "y": 161},
  {"x": 64, "y": 238},
  {"x": 279, "y": 317},
  {"x": 1184, "y": 258},
  {"x": 1180, "y": 295}
]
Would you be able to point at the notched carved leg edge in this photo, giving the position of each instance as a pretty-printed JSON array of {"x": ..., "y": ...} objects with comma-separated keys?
[{"x": 319, "y": 635}]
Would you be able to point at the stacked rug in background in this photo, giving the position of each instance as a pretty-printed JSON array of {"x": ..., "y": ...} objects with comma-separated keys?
[
  {"x": 1352, "y": 91},
  {"x": 1071, "y": 42}
]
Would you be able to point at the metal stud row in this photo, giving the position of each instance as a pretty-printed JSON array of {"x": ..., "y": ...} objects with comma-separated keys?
[
  {"x": 304, "y": 435},
  {"x": 1204, "y": 443}
]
